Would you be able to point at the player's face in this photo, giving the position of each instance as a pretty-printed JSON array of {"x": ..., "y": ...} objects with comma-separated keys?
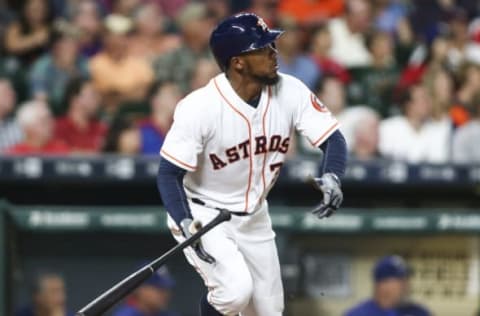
[{"x": 261, "y": 65}]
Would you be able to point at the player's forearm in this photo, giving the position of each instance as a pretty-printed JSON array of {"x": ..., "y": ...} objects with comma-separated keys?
[
  {"x": 170, "y": 186},
  {"x": 334, "y": 154}
]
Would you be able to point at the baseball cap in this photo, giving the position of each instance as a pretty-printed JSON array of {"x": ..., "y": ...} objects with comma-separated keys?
[
  {"x": 161, "y": 279},
  {"x": 390, "y": 267}
]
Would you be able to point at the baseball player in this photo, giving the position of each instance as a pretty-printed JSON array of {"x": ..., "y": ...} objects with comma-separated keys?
[{"x": 225, "y": 149}]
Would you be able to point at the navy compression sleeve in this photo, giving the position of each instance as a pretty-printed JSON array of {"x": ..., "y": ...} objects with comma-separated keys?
[
  {"x": 334, "y": 154},
  {"x": 170, "y": 186}
]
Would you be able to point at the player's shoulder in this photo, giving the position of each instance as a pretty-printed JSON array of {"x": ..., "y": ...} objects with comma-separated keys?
[
  {"x": 200, "y": 100},
  {"x": 288, "y": 81},
  {"x": 290, "y": 89}
]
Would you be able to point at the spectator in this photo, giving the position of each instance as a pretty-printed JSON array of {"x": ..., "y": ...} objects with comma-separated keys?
[
  {"x": 390, "y": 296},
  {"x": 29, "y": 37},
  {"x": 118, "y": 76},
  {"x": 124, "y": 7},
  {"x": 365, "y": 137},
  {"x": 178, "y": 65},
  {"x": 163, "y": 102},
  {"x": 149, "y": 39},
  {"x": 50, "y": 73},
  {"x": 439, "y": 84},
  {"x": 205, "y": 69},
  {"x": 37, "y": 125},
  {"x": 412, "y": 137},
  {"x": 460, "y": 40},
  {"x": 308, "y": 12},
  {"x": 85, "y": 15},
  {"x": 348, "y": 34},
  {"x": 171, "y": 8},
  {"x": 10, "y": 132},
  {"x": 373, "y": 85},
  {"x": 422, "y": 60},
  {"x": 465, "y": 141},
  {"x": 428, "y": 17},
  {"x": 267, "y": 9},
  {"x": 388, "y": 14},
  {"x": 152, "y": 298},
  {"x": 48, "y": 297},
  {"x": 468, "y": 89},
  {"x": 123, "y": 137},
  {"x": 79, "y": 128},
  {"x": 320, "y": 46},
  {"x": 6, "y": 17},
  {"x": 290, "y": 58},
  {"x": 218, "y": 9}
]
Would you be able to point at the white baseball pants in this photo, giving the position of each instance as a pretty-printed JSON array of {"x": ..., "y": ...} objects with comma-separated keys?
[{"x": 246, "y": 277}]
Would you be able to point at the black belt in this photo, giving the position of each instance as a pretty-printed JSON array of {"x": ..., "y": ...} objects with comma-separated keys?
[{"x": 203, "y": 203}]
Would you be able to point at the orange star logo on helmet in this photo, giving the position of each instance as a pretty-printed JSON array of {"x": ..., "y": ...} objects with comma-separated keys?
[
  {"x": 317, "y": 104},
  {"x": 262, "y": 24}
]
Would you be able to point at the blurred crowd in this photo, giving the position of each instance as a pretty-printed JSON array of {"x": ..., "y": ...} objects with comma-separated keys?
[
  {"x": 48, "y": 297},
  {"x": 390, "y": 295},
  {"x": 86, "y": 76}
]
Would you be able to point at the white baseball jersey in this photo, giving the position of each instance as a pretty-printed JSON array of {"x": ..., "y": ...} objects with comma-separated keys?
[{"x": 233, "y": 150}]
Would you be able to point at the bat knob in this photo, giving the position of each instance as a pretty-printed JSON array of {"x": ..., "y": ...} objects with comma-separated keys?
[{"x": 225, "y": 215}]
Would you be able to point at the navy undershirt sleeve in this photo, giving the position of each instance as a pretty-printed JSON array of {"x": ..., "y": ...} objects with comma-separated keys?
[
  {"x": 170, "y": 186},
  {"x": 334, "y": 154}
]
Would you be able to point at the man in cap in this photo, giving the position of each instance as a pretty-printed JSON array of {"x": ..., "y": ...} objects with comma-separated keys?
[
  {"x": 152, "y": 298},
  {"x": 390, "y": 292}
]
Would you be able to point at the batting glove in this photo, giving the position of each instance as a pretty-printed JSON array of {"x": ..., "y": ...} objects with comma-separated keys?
[
  {"x": 189, "y": 227},
  {"x": 330, "y": 185}
]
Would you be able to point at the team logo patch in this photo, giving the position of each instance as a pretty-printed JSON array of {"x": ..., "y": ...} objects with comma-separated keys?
[
  {"x": 317, "y": 104},
  {"x": 262, "y": 24}
]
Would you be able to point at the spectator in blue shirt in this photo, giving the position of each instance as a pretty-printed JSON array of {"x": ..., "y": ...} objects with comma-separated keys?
[
  {"x": 50, "y": 74},
  {"x": 165, "y": 96},
  {"x": 291, "y": 60},
  {"x": 48, "y": 297},
  {"x": 151, "y": 298},
  {"x": 390, "y": 292}
]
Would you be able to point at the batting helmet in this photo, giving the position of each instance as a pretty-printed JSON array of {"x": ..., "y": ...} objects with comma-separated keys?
[{"x": 238, "y": 34}]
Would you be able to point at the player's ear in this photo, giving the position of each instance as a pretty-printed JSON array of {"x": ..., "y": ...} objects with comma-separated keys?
[{"x": 237, "y": 63}]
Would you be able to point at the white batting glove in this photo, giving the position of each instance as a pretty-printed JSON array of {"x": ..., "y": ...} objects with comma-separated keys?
[
  {"x": 189, "y": 227},
  {"x": 330, "y": 185}
]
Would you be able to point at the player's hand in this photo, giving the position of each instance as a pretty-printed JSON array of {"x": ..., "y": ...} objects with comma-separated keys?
[
  {"x": 330, "y": 185},
  {"x": 189, "y": 227}
]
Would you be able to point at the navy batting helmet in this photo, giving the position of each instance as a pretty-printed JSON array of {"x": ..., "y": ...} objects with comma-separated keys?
[{"x": 238, "y": 34}]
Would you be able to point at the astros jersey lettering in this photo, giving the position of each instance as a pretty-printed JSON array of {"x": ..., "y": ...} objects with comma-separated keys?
[{"x": 234, "y": 151}]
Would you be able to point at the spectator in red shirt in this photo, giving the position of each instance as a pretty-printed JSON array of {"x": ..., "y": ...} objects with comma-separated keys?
[
  {"x": 37, "y": 124},
  {"x": 320, "y": 46},
  {"x": 80, "y": 128}
]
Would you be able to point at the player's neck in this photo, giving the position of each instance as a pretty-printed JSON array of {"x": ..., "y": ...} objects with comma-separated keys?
[{"x": 246, "y": 88}]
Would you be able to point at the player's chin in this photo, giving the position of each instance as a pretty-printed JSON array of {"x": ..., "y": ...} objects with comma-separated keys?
[{"x": 272, "y": 78}]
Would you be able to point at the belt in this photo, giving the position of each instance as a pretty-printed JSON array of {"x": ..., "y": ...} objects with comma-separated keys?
[{"x": 203, "y": 203}]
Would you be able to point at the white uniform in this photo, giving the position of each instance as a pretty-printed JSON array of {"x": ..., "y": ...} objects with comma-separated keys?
[{"x": 234, "y": 153}]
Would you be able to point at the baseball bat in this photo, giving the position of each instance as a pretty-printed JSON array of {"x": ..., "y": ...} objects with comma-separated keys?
[{"x": 116, "y": 293}]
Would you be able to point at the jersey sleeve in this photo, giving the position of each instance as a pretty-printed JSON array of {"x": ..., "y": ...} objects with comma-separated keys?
[
  {"x": 185, "y": 139},
  {"x": 312, "y": 118}
]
